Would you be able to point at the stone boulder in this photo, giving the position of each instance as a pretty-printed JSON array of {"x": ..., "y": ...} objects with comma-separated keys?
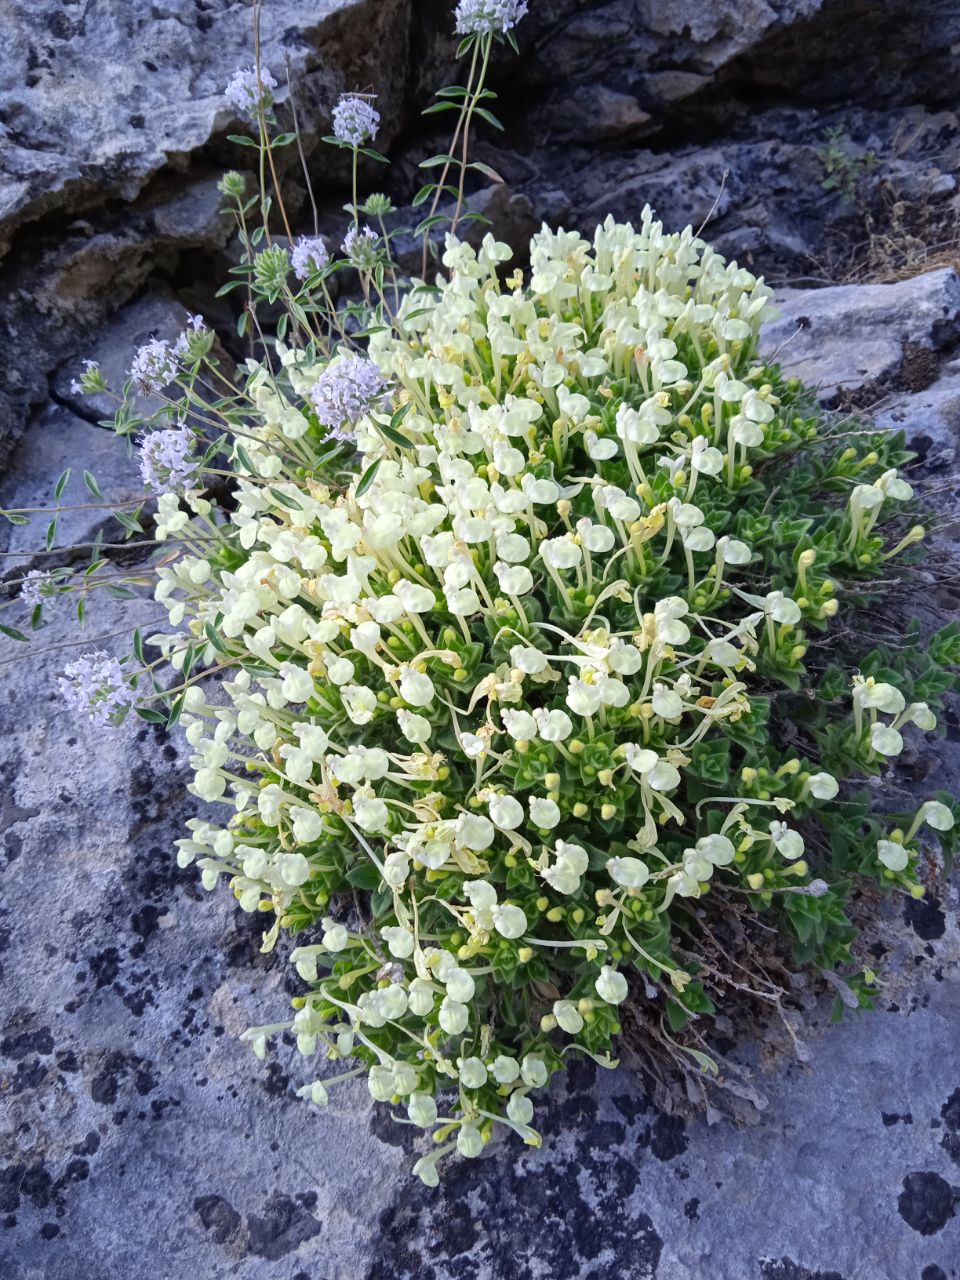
[
  {"x": 97, "y": 102},
  {"x": 902, "y": 331}
]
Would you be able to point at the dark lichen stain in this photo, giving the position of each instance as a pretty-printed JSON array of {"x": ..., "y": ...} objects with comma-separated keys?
[
  {"x": 668, "y": 1137},
  {"x": 275, "y": 1082},
  {"x": 691, "y": 1210},
  {"x": 29, "y": 1075},
  {"x": 104, "y": 967},
  {"x": 577, "y": 1203},
  {"x": 933, "y": 1272},
  {"x": 282, "y": 1227},
  {"x": 925, "y": 917},
  {"x": 890, "y": 1118},
  {"x": 17, "y": 1046},
  {"x": 218, "y": 1217},
  {"x": 787, "y": 1269},
  {"x": 950, "y": 1114},
  {"x": 89, "y": 1146},
  {"x": 117, "y": 1068},
  {"x": 926, "y": 1202}
]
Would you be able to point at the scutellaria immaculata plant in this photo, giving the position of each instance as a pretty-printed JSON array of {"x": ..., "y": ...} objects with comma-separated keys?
[{"x": 488, "y": 661}]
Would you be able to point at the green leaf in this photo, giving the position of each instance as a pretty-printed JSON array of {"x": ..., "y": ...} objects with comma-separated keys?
[
  {"x": 138, "y": 647},
  {"x": 677, "y": 1015},
  {"x": 189, "y": 659},
  {"x": 244, "y": 459},
  {"x": 214, "y": 639},
  {"x": 365, "y": 876},
  {"x": 62, "y": 483},
  {"x": 490, "y": 118},
  {"x": 129, "y": 523},
  {"x": 285, "y": 500},
  {"x": 485, "y": 169},
  {"x": 366, "y": 480},
  {"x": 703, "y": 1060},
  {"x": 396, "y": 437},
  {"x": 51, "y": 533},
  {"x": 423, "y": 195},
  {"x": 283, "y": 139},
  {"x": 90, "y": 481},
  {"x": 151, "y": 717},
  {"x": 442, "y": 106},
  {"x": 434, "y": 162},
  {"x": 241, "y": 140},
  {"x": 427, "y": 223},
  {"x": 13, "y": 633}
]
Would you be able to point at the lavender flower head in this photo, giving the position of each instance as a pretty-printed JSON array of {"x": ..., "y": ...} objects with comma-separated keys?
[
  {"x": 154, "y": 365},
  {"x": 355, "y": 120},
  {"x": 95, "y": 685},
  {"x": 360, "y": 246},
  {"x": 488, "y": 17},
  {"x": 243, "y": 91},
  {"x": 166, "y": 460},
  {"x": 309, "y": 254},
  {"x": 345, "y": 391},
  {"x": 35, "y": 586}
]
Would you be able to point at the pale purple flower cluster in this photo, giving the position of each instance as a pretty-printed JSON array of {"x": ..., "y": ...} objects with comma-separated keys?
[
  {"x": 355, "y": 120},
  {"x": 34, "y": 587},
  {"x": 95, "y": 684},
  {"x": 360, "y": 246},
  {"x": 346, "y": 390},
  {"x": 488, "y": 17},
  {"x": 243, "y": 91},
  {"x": 309, "y": 254},
  {"x": 154, "y": 365},
  {"x": 166, "y": 459}
]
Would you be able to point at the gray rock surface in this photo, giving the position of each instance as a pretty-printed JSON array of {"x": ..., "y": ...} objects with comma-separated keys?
[
  {"x": 932, "y": 418},
  {"x": 139, "y": 1136},
  {"x": 101, "y": 100},
  {"x": 112, "y": 128},
  {"x": 60, "y": 440},
  {"x": 902, "y": 331}
]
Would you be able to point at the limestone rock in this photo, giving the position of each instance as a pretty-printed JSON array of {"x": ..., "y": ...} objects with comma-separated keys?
[
  {"x": 898, "y": 328},
  {"x": 104, "y": 99},
  {"x": 113, "y": 350},
  {"x": 57, "y": 441},
  {"x": 138, "y": 1134},
  {"x": 930, "y": 418}
]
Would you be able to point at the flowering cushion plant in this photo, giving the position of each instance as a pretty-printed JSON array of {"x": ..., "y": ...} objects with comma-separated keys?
[{"x": 492, "y": 659}]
